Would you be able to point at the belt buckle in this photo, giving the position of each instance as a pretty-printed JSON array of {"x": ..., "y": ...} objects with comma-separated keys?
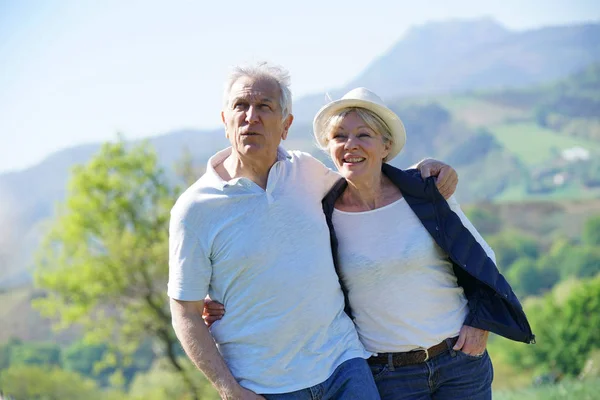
[{"x": 424, "y": 350}]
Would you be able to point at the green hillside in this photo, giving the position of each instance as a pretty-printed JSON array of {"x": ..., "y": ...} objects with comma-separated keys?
[
  {"x": 535, "y": 145},
  {"x": 551, "y": 134},
  {"x": 507, "y": 145},
  {"x": 527, "y": 151},
  {"x": 19, "y": 320}
]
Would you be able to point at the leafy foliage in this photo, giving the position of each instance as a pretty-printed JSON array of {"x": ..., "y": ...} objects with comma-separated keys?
[
  {"x": 566, "y": 328},
  {"x": 529, "y": 278},
  {"x": 104, "y": 262},
  {"x": 509, "y": 245},
  {"x": 82, "y": 358},
  {"x": 34, "y": 353},
  {"x": 161, "y": 382},
  {"x": 591, "y": 231},
  {"x": 104, "y": 266},
  {"x": 40, "y": 383}
]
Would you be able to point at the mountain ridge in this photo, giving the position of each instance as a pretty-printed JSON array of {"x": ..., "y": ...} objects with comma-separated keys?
[{"x": 35, "y": 191}]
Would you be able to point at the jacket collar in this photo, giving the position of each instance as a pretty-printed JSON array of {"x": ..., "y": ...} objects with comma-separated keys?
[{"x": 410, "y": 183}]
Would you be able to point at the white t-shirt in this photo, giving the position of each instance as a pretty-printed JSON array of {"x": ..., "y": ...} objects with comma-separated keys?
[
  {"x": 402, "y": 290},
  {"x": 266, "y": 255}
]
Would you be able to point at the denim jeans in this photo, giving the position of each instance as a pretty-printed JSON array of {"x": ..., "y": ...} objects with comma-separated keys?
[
  {"x": 351, "y": 380},
  {"x": 450, "y": 375}
]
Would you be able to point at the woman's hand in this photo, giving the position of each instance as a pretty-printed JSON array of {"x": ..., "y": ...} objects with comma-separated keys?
[
  {"x": 471, "y": 340},
  {"x": 446, "y": 176},
  {"x": 244, "y": 394},
  {"x": 213, "y": 311}
]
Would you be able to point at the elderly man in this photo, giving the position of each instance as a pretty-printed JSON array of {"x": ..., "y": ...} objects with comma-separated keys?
[{"x": 251, "y": 233}]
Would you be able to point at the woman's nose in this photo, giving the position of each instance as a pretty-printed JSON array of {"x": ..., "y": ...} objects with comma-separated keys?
[{"x": 351, "y": 143}]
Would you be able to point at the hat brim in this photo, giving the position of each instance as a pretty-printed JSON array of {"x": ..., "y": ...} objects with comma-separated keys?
[{"x": 388, "y": 116}]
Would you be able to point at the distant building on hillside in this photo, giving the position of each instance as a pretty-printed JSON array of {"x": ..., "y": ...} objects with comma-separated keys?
[
  {"x": 576, "y": 153},
  {"x": 559, "y": 179}
]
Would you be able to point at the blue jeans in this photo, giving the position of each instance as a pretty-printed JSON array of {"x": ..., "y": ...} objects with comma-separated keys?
[
  {"x": 450, "y": 375},
  {"x": 351, "y": 380}
]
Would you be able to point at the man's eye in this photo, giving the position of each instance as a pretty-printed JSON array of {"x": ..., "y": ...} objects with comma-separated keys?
[
  {"x": 239, "y": 105},
  {"x": 265, "y": 106}
]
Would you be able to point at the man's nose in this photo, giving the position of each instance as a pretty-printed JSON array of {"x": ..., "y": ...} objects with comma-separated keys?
[{"x": 252, "y": 115}]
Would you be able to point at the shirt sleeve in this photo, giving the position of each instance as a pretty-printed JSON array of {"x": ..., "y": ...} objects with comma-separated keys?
[
  {"x": 190, "y": 269},
  {"x": 319, "y": 173},
  {"x": 455, "y": 207}
]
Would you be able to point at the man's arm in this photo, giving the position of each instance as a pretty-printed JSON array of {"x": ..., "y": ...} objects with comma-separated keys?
[
  {"x": 446, "y": 176},
  {"x": 200, "y": 347}
]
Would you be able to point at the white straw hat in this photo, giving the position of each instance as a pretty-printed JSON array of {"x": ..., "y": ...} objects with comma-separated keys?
[{"x": 362, "y": 98}]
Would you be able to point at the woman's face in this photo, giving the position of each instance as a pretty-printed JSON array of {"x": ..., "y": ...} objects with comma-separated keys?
[{"x": 356, "y": 150}]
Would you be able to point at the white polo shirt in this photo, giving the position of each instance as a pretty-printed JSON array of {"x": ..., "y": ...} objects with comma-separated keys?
[{"x": 266, "y": 255}]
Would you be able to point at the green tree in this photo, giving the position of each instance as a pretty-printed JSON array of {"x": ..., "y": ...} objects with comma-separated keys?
[
  {"x": 160, "y": 383},
  {"x": 104, "y": 260},
  {"x": 586, "y": 261},
  {"x": 591, "y": 174},
  {"x": 82, "y": 358},
  {"x": 591, "y": 231},
  {"x": 572, "y": 259},
  {"x": 529, "y": 278},
  {"x": 35, "y": 353},
  {"x": 559, "y": 257},
  {"x": 567, "y": 329},
  {"x": 6, "y": 352},
  {"x": 187, "y": 170},
  {"x": 510, "y": 246}
]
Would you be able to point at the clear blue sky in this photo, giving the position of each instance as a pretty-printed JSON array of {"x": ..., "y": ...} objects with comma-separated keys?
[{"x": 74, "y": 71}]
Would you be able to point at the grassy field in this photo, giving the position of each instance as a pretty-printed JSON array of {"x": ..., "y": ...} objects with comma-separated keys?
[
  {"x": 544, "y": 220},
  {"x": 534, "y": 145},
  {"x": 567, "y": 192},
  {"x": 580, "y": 390},
  {"x": 475, "y": 112}
]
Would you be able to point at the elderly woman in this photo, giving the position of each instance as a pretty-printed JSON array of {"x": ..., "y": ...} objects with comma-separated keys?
[{"x": 421, "y": 282}]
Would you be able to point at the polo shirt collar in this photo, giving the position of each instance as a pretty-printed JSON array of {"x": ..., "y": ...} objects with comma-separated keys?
[{"x": 219, "y": 157}]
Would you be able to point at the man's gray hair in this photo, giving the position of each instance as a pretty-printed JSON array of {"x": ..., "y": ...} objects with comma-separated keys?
[{"x": 263, "y": 70}]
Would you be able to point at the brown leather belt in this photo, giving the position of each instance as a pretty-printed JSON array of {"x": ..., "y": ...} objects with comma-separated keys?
[{"x": 414, "y": 356}]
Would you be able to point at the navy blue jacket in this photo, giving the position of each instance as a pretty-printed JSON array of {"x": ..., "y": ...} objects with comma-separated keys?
[{"x": 492, "y": 304}]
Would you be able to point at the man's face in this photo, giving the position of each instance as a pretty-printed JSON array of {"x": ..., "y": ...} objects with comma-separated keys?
[{"x": 253, "y": 118}]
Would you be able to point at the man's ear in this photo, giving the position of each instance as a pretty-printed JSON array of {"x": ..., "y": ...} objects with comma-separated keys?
[
  {"x": 224, "y": 123},
  {"x": 286, "y": 126}
]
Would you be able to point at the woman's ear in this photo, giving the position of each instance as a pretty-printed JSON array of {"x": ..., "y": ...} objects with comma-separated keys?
[{"x": 387, "y": 146}]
